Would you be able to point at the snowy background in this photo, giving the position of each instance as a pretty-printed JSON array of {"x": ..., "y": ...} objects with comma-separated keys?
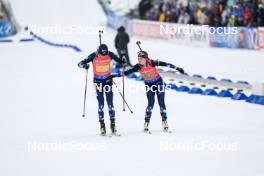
[{"x": 41, "y": 94}]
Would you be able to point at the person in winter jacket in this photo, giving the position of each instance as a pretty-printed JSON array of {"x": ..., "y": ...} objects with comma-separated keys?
[{"x": 121, "y": 42}]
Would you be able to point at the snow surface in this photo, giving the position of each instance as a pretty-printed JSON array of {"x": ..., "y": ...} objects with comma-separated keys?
[{"x": 41, "y": 96}]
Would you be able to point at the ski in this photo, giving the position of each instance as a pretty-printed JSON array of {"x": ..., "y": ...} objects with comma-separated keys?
[
  {"x": 167, "y": 131},
  {"x": 111, "y": 135},
  {"x": 106, "y": 135},
  {"x": 115, "y": 134},
  {"x": 164, "y": 131},
  {"x": 147, "y": 132}
]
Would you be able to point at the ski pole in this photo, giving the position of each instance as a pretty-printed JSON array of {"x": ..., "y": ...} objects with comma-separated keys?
[
  {"x": 123, "y": 98},
  {"x": 84, "y": 102},
  {"x": 100, "y": 36},
  {"x": 138, "y": 44},
  {"x": 123, "y": 80}
]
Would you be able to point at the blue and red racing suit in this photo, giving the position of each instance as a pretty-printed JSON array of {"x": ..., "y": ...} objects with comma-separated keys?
[
  {"x": 102, "y": 80},
  {"x": 154, "y": 85}
]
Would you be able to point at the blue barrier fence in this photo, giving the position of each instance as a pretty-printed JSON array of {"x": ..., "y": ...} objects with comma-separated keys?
[{"x": 6, "y": 29}]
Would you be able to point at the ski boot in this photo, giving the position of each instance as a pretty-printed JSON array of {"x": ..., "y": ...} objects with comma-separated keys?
[
  {"x": 146, "y": 127},
  {"x": 113, "y": 128},
  {"x": 102, "y": 128},
  {"x": 165, "y": 126}
]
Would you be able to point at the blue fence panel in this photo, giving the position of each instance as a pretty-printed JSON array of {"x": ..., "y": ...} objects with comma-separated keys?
[
  {"x": 6, "y": 29},
  {"x": 115, "y": 21}
]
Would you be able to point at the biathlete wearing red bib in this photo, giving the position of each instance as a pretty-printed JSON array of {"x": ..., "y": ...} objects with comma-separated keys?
[
  {"x": 154, "y": 85},
  {"x": 101, "y": 61},
  {"x": 101, "y": 67}
]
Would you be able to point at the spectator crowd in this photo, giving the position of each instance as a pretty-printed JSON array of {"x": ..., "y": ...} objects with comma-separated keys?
[{"x": 204, "y": 12}]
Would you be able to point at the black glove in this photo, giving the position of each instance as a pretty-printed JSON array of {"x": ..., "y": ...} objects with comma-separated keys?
[
  {"x": 82, "y": 65},
  {"x": 86, "y": 67},
  {"x": 180, "y": 70},
  {"x": 124, "y": 60}
]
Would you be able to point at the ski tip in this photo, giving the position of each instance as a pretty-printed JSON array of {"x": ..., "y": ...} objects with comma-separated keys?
[
  {"x": 147, "y": 132},
  {"x": 106, "y": 135},
  {"x": 115, "y": 134},
  {"x": 167, "y": 131}
]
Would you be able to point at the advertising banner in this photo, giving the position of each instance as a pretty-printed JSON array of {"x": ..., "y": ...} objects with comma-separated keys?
[
  {"x": 147, "y": 29},
  {"x": 248, "y": 38},
  {"x": 178, "y": 33},
  {"x": 261, "y": 37},
  {"x": 224, "y": 37},
  {"x": 236, "y": 37},
  {"x": 194, "y": 35}
]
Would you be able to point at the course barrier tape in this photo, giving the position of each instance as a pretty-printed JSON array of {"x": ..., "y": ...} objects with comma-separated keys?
[
  {"x": 35, "y": 36},
  {"x": 27, "y": 40},
  {"x": 6, "y": 41}
]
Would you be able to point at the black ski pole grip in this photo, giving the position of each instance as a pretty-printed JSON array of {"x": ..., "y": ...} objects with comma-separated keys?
[
  {"x": 138, "y": 44},
  {"x": 100, "y": 36}
]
